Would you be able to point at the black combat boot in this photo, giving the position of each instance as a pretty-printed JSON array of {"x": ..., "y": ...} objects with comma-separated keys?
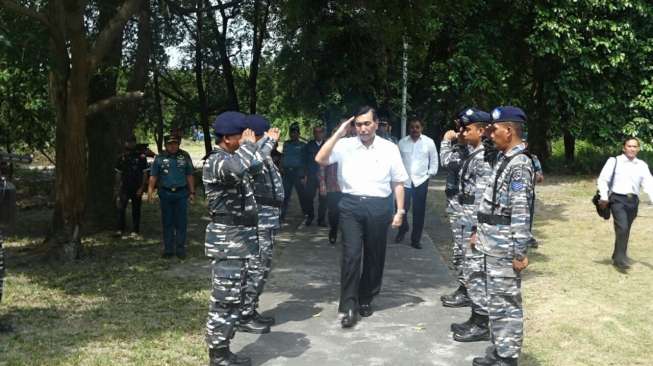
[
  {"x": 458, "y": 299},
  {"x": 493, "y": 359},
  {"x": 267, "y": 320},
  {"x": 479, "y": 331},
  {"x": 224, "y": 357},
  {"x": 250, "y": 325},
  {"x": 462, "y": 327}
]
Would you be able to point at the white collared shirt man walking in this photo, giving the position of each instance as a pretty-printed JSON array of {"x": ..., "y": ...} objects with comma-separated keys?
[
  {"x": 420, "y": 158},
  {"x": 369, "y": 171},
  {"x": 621, "y": 193}
]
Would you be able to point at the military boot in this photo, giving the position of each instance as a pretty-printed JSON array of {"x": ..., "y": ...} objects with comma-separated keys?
[
  {"x": 479, "y": 331},
  {"x": 267, "y": 320},
  {"x": 494, "y": 360},
  {"x": 250, "y": 325},
  {"x": 224, "y": 357},
  {"x": 457, "y": 299},
  {"x": 462, "y": 327}
]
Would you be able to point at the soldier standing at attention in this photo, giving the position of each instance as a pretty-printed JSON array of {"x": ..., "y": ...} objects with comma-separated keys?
[
  {"x": 474, "y": 175},
  {"x": 131, "y": 166},
  {"x": 231, "y": 237},
  {"x": 172, "y": 174},
  {"x": 268, "y": 193},
  {"x": 453, "y": 151},
  {"x": 503, "y": 234}
]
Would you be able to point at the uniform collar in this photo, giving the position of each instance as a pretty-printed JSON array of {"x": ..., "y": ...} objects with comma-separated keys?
[{"x": 515, "y": 150}]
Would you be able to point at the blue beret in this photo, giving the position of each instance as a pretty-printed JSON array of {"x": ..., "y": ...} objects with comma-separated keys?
[
  {"x": 508, "y": 114},
  {"x": 258, "y": 124},
  {"x": 473, "y": 115},
  {"x": 230, "y": 123}
]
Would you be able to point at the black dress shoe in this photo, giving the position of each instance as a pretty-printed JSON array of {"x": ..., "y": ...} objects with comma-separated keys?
[
  {"x": 622, "y": 265},
  {"x": 333, "y": 236},
  {"x": 416, "y": 245},
  {"x": 349, "y": 320},
  {"x": 309, "y": 221},
  {"x": 267, "y": 320},
  {"x": 252, "y": 326},
  {"x": 365, "y": 310},
  {"x": 400, "y": 237}
]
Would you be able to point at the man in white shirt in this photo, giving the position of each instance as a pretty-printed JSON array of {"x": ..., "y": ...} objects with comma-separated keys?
[
  {"x": 619, "y": 188},
  {"x": 421, "y": 161},
  {"x": 369, "y": 171}
]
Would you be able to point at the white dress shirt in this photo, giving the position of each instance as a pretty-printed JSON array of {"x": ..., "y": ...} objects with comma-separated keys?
[
  {"x": 367, "y": 171},
  {"x": 420, "y": 159},
  {"x": 628, "y": 177}
]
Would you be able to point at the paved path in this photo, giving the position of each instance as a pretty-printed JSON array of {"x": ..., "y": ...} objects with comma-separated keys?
[{"x": 409, "y": 326}]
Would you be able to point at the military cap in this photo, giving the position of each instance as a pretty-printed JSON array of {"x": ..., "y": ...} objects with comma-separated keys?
[
  {"x": 171, "y": 138},
  {"x": 258, "y": 124},
  {"x": 473, "y": 115},
  {"x": 508, "y": 114},
  {"x": 230, "y": 123}
]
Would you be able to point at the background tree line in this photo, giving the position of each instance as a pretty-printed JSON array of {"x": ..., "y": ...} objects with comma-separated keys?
[{"x": 77, "y": 77}]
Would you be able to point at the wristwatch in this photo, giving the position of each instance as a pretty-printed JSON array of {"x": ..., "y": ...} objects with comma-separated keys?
[{"x": 401, "y": 211}]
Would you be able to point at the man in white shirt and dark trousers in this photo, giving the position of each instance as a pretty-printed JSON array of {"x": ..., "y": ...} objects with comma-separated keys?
[
  {"x": 369, "y": 170},
  {"x": 420, "y": 158},
  {"x": 623, "y": 195}
]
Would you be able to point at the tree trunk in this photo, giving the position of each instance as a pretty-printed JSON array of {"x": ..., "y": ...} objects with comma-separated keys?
[
  {"x": 103, "y": 134},
  {"x": 570, "y": 146},
  {"x": 259, "y": 31},
  {"x": 539, "y": 122},
  {"x": 159, "y": 112},
  {"x": 225, "y": 61},
  {"x": 199, "y": 78}
]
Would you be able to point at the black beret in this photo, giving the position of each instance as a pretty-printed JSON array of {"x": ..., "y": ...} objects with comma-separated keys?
[
  {"x": 473, "y": 115},
  {"x": 230, "y": 123},
  {"x": 508, "y": 114},
  {"x": 258, "y": 124}
]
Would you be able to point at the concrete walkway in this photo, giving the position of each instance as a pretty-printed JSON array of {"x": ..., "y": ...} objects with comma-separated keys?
[{"x": 409, "y": 326}]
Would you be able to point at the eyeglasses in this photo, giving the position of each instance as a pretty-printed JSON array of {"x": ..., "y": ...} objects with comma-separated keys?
[{"x": 364, "y": 123}]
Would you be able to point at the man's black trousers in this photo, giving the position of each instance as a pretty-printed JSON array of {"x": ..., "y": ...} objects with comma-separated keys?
[
  {"x": 364, "y": 223},
  {"x": 416, "y": 196},
  {"x": 333, "y": 203},
  {"x": 313, "y": 186},
  {"x": 292, "y": 177},
  {"x": 624, "y": 211},
  {"x": 136, "y": 199}
]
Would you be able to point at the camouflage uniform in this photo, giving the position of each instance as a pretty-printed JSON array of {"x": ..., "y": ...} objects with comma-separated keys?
[
  {"x": 231, "y": 237},
  {"x": 264, "y": 173},
  {"x": 503, "y": 233},
  {"x": 452, "y": 158},
  {"x": 474, "y": 176}
]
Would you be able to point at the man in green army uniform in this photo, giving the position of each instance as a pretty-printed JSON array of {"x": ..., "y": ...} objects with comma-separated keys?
[
  {"x": 232, "y": 236},
  {"x": 503, "y": 234}
]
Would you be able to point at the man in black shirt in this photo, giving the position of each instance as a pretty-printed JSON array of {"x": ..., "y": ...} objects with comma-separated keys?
[{"x": 131, "y": 166}]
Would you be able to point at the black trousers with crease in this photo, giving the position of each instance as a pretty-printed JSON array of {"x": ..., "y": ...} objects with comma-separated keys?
[{"x": 624, "y": 211}]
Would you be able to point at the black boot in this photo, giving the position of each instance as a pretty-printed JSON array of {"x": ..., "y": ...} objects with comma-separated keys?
[
  {"x": 250, "y": 325},
  {"x": 458, "y": 299},
  {"x": 479, "y": 331},
  {"x": 224, "y": 357},
  {"x": 493, "y": 359},
  {"x": 333, "y": 236},
  {"x": 462, "y": 327},
  {"x": 267, "y": 320}
]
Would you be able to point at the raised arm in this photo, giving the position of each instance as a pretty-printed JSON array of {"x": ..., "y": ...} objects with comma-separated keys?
[{"x": 322, "y": 156}]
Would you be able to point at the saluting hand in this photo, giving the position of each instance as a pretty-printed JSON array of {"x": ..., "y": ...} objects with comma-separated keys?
[
  {"x": 273, "y": 133},
  {"x": 520, "y": 265},
  {"x": 344, "y": 128},
  {"x": 247, "y": 136},
  {"x": 450, "y": 135}
]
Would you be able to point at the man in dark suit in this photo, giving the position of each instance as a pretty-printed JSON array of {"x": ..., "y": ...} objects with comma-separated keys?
[{"x": 312, "y": 178}]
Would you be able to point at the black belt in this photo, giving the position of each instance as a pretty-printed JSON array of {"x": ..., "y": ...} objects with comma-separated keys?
[
  {"x": 450, "y": 192},
  {"x": 365, "y": 198},
  {"x": 173, "y": 189},
  {"x": 629, "y": 196},
  {"x": 231, "y": 220},
  {"x": 466, "y": 199},
  {"x": 492, "y": 219},
  {"x": 267, "y": 201}
]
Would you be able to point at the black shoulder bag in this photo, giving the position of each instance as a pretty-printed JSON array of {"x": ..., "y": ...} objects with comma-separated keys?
[{"x": 604, "y": 212}]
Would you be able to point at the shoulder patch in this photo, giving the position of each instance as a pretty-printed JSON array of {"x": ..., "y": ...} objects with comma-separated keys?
[{"x": 516, "y": 186}]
